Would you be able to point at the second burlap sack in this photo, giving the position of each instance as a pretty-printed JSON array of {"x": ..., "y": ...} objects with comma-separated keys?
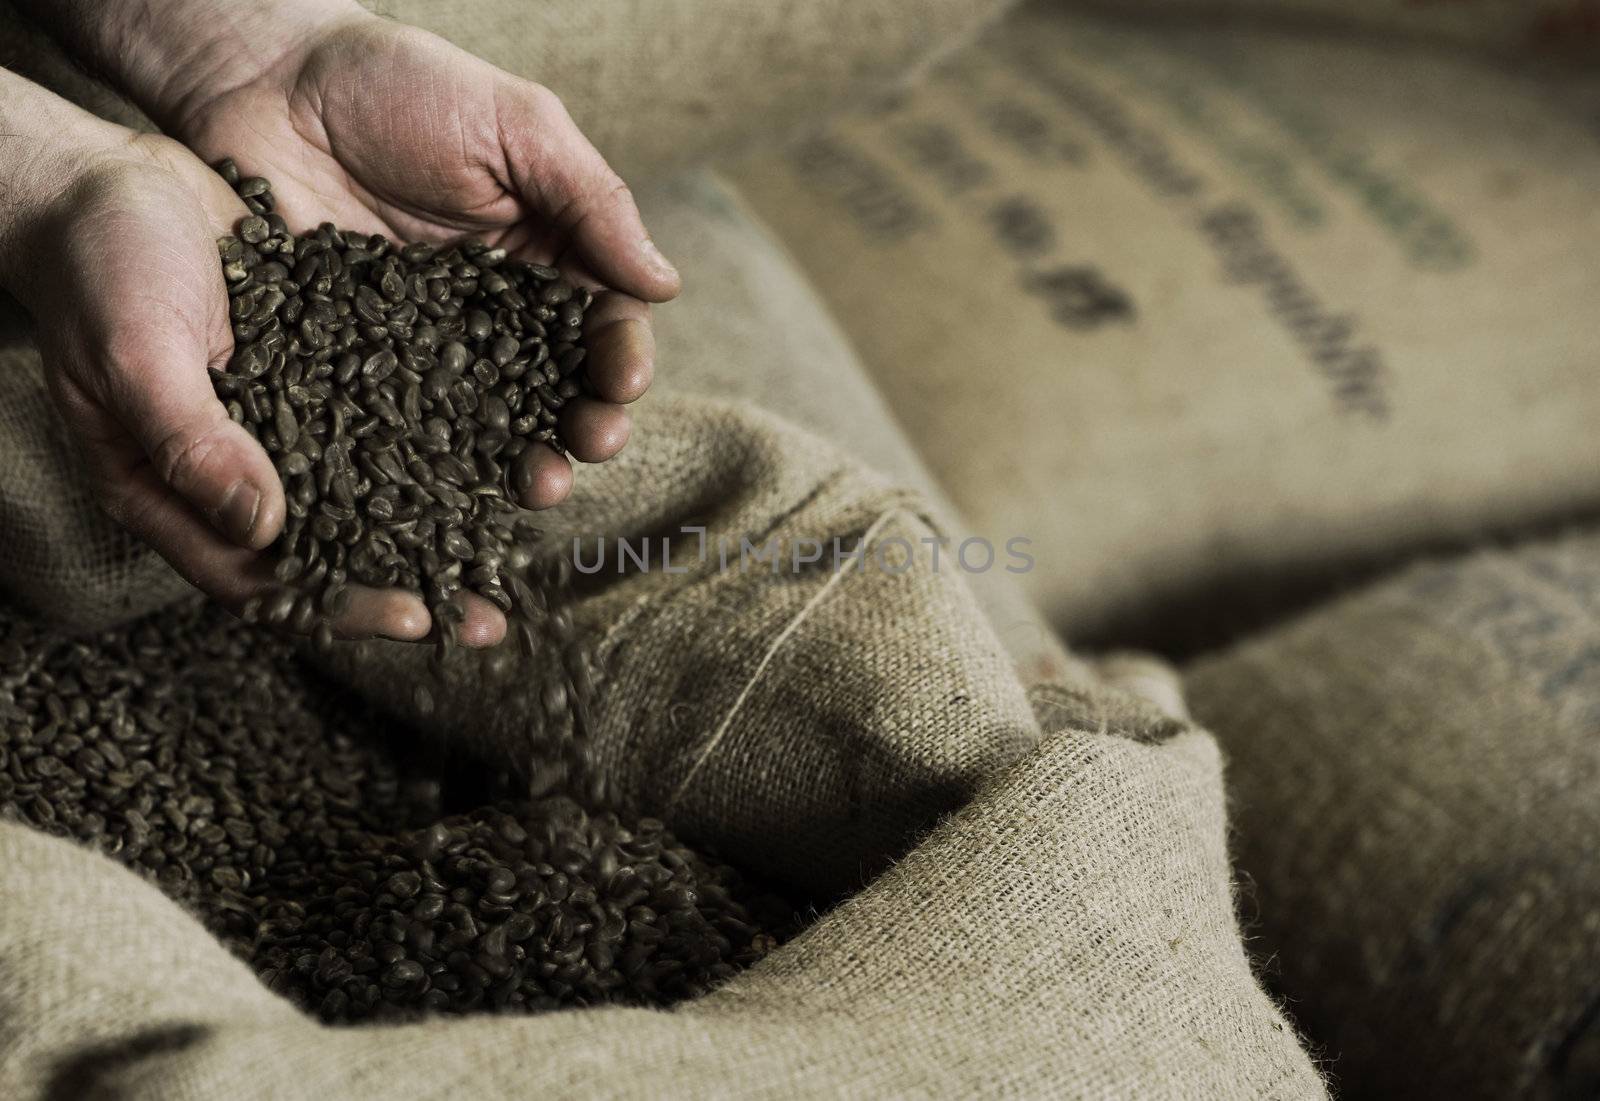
[
  {"x": 1414, "y": 776},
  {"x": 1212, "y": 314}
]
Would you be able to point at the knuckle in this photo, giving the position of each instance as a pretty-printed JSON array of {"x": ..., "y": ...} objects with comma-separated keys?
[
  {"x": 542, "y": 101},
  {"x": 183, "y": 457},
  {"x": 618, "y": 192}
]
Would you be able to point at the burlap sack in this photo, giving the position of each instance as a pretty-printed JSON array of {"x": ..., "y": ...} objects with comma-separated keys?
[
  {"x": 1068, "y": 934},
  {"x": 1202, "y": 326},
  {"x": 1552, "y": 29},
  {"x": 661, "y": 84},
  {"x": 1414, "y": 776}
]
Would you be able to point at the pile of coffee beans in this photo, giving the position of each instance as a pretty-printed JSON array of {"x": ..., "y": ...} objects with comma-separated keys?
[
  {"x": 396, "y": 387},
  {"x": 362, "y": 873}
]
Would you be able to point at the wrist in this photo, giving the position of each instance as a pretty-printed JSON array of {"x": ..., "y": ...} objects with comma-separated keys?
[{"x": 172, "y": 57}]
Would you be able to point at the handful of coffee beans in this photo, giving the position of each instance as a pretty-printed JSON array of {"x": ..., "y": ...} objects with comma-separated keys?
[{"x": 395, "y": 388}]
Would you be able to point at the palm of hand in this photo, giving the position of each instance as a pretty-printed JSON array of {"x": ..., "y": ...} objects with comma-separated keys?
[{"x": 375, "y": 127}]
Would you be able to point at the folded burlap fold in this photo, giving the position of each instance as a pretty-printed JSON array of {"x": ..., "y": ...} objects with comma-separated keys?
[{"x": 660, "y": 85}]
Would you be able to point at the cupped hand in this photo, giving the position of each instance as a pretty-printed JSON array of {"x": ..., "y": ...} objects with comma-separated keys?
[
  {"x": 375, "y": 126},
  {"x": 384, "y": 128},
  {"x": 116, "y": 260}
]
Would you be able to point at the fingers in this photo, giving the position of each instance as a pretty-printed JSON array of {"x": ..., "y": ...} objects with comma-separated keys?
[
  {"x": 622, "y": 347},
  {"x": 566, "y": 180},
  {"x": 543, "y": 478},
  {"x": 207, "y": 459},
  {"x": 383, "y": 613},
  {"x": 139, "y": 500},
  {"x": 482, "y": 624},
  {"x": 402, "y": 616},
  {"x": 594, "y": 430},
  {"x": 231, "y": 574},
  {"x": 620, "y": 367}
]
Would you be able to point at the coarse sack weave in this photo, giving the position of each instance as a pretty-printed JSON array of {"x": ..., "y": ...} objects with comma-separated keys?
[
  {"x": 1205, "y": 329},
  {"x": 658, "y": 85},
  {"x": 1414, "y": 781}
]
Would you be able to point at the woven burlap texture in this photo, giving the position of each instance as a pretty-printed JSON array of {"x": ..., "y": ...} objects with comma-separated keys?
[
  {"x": 1208, "y": 332},
  {"x": 1068, "y": 934},
  {"x": 1413, "y": 775}
]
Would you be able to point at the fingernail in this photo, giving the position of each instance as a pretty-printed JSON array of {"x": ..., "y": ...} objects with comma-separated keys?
[
  {"x": 660, "y": 263},
  {"x": 236, "y": 516}
]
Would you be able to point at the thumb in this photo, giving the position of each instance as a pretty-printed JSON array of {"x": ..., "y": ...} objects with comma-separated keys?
[
  {"x": 142, "y": 336},
  {"x": 565, "y": 179},
  {"x": 130, "y": 308},
  {"x": 197, "y": 450}
]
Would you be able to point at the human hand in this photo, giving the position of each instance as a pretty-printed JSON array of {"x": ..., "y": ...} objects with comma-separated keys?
[
  {"x": 384, "y": 128},
  {"x": 109, "y": 240}
]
